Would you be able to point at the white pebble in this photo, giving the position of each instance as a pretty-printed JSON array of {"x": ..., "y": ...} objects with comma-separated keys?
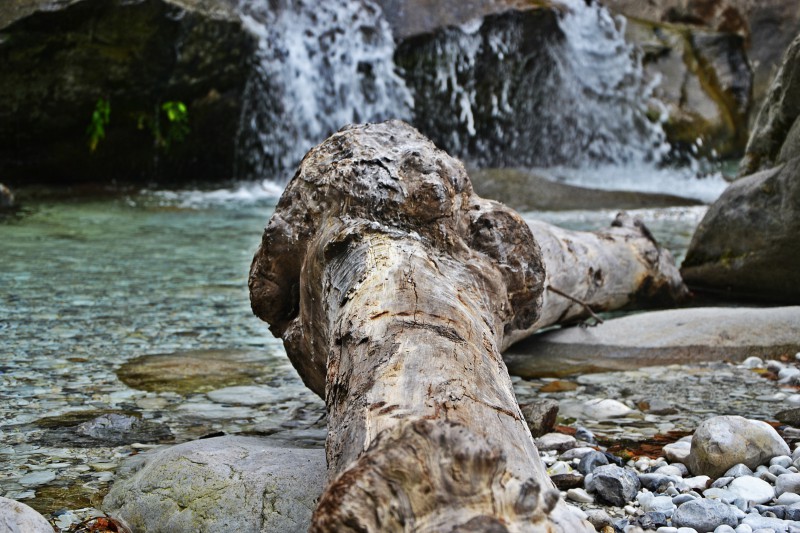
[
  {"x": 579, "y": 495},
  {"x": 752, "y": 362},
  {"x": 781, "y": 460},
  {"x": 724, "y": 528},
  {"x": 599, "y": 409},
  {"x": 630, "y": 509},
  {"x": 667, "y": 529},
  {"x": 744, "y": 528},
  {"x": 697, "y": 482},
  {"x": 788, "y": 498},
  {"x": 752, "y": 489}
]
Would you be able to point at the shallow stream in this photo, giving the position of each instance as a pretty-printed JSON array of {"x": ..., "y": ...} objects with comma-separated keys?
[{"x": 125, "y": 323}]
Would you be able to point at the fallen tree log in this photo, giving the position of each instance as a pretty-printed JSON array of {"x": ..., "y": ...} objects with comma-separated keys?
[{"x": 394, "y": 288}]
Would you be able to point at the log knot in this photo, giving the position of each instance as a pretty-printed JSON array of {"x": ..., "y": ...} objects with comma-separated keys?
[{"x": 433, "y": 476}]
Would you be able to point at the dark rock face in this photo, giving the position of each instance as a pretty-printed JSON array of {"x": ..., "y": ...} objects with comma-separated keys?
[
  {"x": 60, "y": 61},
  {"x": 766, "y": 27},
  {"x": 776, "y": 134},
  {"x": 746, "y": 243},
  {"x": 519, "y": 74}
]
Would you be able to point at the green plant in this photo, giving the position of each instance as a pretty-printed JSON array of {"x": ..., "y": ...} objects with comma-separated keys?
[
  {"x": 177, "y": 120},
  {"x": 101, "y": 116},
  {"x": 178, "y": 123}
]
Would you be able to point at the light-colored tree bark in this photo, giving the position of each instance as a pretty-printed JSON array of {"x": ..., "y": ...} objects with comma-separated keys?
[{"x": 394, "y": 288}]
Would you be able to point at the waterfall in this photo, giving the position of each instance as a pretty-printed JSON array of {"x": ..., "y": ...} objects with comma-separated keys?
[
  {"x": 536, "y": 88},
  {"x": 320, "y": 65}
]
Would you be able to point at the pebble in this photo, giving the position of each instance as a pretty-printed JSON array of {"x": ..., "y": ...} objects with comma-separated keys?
[
  {"x": 16, "y": 517},
  {"x": 752, "y": 489},
  {"x": 556, "y": 441},
  {"x": 598, "y": 518},
  {"x": 250, "y": 395},
  {"x": 697, "y": 482},
  {"x": 590, "y": 461},
  {"x": 670, "y": 470},
  {"x": 580, "y": 495},
  {"x": 753, "y": 362},
  {"x": 615, "y": 485},
  {"x": 721, "y": 442},
  {"x": 788, "y": 498},
  {"x": 787, "y": 483},
  {"x": 724, "y": 528},
  {"x": 677, "y": 452},
  {"x": 650, "y": 502},
  {"x": 575, "y": 453},
  {"x": 722, "y": 482},
  {"x": 704, "y": 515},
  {"x": 784, "y": 461},
  {"x": 599, "y": 409},
  {"x": 37, "y": 478},
  {"x": 755, "y": 521},
  {"x": 738, "y": 470}
]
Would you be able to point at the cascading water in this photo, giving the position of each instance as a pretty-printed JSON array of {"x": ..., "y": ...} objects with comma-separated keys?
[
  {"x": 524, "y": 89},
  {"x": 321, "y": 65}
]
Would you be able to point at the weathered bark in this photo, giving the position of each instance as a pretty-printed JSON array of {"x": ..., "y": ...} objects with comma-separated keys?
[
  {"x": 618, "y": 267},
  {"x": 394, "y": 288}
]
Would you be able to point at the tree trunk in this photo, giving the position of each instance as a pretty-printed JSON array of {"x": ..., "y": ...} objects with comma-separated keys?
[{"x": 394, "y": 288}]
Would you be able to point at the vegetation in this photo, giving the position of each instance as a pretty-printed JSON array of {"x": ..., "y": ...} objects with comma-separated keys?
[
  {"x": 101, "y": 116},
  {"x": 175, "y": 131}
]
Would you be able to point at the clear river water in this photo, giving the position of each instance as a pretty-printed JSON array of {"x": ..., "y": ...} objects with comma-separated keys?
[{"x": 125, "y": 323}]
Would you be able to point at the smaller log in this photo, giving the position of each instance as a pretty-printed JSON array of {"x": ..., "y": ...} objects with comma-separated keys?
[{"x": 619, "y": 267}]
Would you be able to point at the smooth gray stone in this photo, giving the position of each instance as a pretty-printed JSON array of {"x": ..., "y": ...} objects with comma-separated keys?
[
  {"x": 615, "y": 485},
  {"x": 721, "y": 442},
  {"x": 787, "y": 483},
  {"x": 591, "y": 461},
  {"x": 16, "y": 517},
  {"x": 242, "y": 484},
  {"x": 658, "y": 338},
  {"x": 704, "y": 515},
  {"x": 738, "y": 470},
  {"x": 756, "y": 521}
]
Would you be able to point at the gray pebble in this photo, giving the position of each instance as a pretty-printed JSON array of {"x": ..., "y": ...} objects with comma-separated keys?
[
  {"x": 781, "y": 460},
  {"x": 724, "y": 528},
  {"x": 652, "y": 520},
  {"x": 590, "y": 461},
  {"x": 787, "y": 483},
  {"x": 615, "y": 485},
  {"x": 777, "y": 470},
  {"x": 704, "y": 515},
  {"x": 598, "y": 518},
  {"x": 757, "y": 522},
  {"x": 721, "y": 482},
  {"x": 739, "y": 470},
  {"x": 683, "y": 498}
]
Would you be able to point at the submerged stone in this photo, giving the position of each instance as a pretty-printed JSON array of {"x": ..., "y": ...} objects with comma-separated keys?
[
  {"x": 190, "y": 372},
  {"x": 101, "y": 428}
]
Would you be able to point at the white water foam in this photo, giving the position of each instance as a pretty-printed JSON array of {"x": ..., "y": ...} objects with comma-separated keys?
[
  {"x": 321, "y": 65},
  {"x": 264, "y": 192}
]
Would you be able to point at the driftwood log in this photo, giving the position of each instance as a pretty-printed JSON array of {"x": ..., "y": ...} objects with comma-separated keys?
[{"x": 395, "y": 288}]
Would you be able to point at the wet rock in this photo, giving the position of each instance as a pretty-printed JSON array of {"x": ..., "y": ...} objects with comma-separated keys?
[
  {"x": 766, "y": 27},
  {"x": 659, "y": 338},
  {"x": 242, "y": 484},
  {"x": 101, "y": 428},
  {"x": 706, "y": 85},
  {"x": 16, "y": 517},
  {"x": 188, "y": 372},
  {"x": 615, "y": 485},
  {"x": 744, "y": 244},
  {"x": 569, "y": 480},
  {"x": 540, "y": 415},
  {"x": 774, "y": 137},
  {"x": 789, "y": 416},
  {"x": 724, "y": 441},
  {"x": 245, "y": 395},
  {"x": 135, "y": 55},
  {"x": 704, "y": 515}
]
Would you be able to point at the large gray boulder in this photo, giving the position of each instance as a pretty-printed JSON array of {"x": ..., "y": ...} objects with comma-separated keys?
[
  {"x": 16, "y": 517},
  {"x": 776, "y": 135},
  {"x": 746, "y": 243},
  {"x": 61, "y": 58},
  {"x": 659, "y": 338},
  {"x": 722, "y": 442},
  {"x": 243, "y": 484}
]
